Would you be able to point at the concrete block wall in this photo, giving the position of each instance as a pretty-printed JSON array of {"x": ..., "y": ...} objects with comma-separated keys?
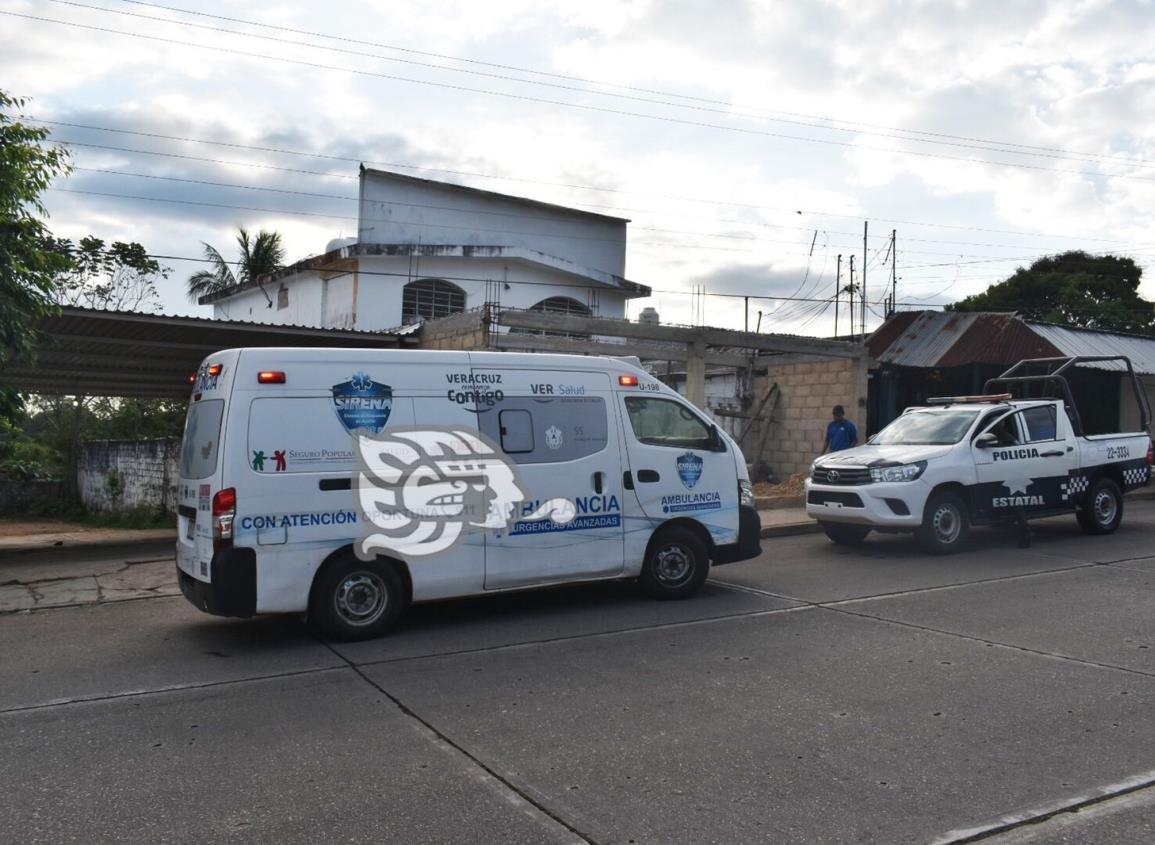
[
  {"x": 125, "y": 475},
  {"x": 19, "y": 497},
  {"x": 809, "y": 388},
  {"x": 468, "y": 330}
]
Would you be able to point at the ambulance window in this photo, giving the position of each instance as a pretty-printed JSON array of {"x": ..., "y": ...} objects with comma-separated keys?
[
  {"x": 202, "y": 434},
  {"x": 663, "y": 422},
  {"x": 547, "y": 431},
  {"x": 1040, "y": 423},
  {"x": 516, "y": 431}
]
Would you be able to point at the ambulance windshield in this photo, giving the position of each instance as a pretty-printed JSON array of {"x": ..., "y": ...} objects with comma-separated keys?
[{"x": 926, "y": 428}]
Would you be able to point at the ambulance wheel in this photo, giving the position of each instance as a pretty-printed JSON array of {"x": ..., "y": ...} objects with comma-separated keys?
[
  {"x": 676, "y": 566},
  {"x": 844, "y": 534},
  {"x": 945, "y": 524},
  {"x": 354, "y": 599},
  {"x": 1102, "y": 509}
]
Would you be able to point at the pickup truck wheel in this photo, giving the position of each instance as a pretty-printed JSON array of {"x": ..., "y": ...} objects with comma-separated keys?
[
  {"x": 354, "y": 599},
  {"x": 945, "y": 524},
  {"x": 844, "y": 534},
  {"x": 1102, "y": 509},
  {"x": 676, "y": 566}
]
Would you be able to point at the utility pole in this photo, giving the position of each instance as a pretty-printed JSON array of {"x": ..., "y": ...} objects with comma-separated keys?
[
  {"x": 746, "y": 300},
  {"x": 850, "y": 289},
  {"x": 893, "y": 270},
  {"x": 837, "y": 292},
  {"x": 862, "y": 293}
]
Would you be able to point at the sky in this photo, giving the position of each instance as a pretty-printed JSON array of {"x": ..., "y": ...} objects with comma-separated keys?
[{"x": 749, "y": 143}]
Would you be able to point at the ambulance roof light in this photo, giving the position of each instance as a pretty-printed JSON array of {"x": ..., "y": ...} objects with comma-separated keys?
[{"x": 628, "y": 381}]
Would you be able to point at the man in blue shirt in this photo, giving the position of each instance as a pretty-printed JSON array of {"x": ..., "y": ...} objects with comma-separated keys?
[{"x": 840, "y": 432}]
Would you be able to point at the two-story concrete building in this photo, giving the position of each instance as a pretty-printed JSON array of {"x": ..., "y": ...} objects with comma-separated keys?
[{"x": 427, "y": 249}]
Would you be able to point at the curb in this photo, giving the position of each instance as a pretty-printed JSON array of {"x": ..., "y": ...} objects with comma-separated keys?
[
  {"x": 49, "y": 542},
  {"x": 790, "y": 529}
]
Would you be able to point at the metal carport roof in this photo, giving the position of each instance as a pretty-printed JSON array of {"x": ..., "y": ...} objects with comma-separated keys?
[{"x": 119, "y": 353}]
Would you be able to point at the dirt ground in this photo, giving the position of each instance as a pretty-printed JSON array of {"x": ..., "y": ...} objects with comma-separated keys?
[
  {"x": 792, "y": 486},
  {"x": 15, "y": 527}
]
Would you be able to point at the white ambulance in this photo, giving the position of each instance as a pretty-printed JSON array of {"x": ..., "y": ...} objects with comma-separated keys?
[{"x": 347, "y": 483}]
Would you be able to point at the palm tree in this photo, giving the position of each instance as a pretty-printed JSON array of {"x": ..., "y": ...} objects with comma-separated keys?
[{"x": 260, "y": 256}]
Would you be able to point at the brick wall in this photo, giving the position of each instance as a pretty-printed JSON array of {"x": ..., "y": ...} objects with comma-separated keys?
[
  {"x": 809, "y": 387},
  {"x": 468, "y": 330},
  {"x": 124, "y": 475}
]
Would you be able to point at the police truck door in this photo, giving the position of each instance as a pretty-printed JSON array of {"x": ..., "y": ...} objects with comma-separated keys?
[
  {"x": 1027, "y": 465},
  {"x": 556, "y": 426}
]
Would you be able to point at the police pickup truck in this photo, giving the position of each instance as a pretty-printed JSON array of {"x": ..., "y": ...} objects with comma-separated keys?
[{"x": 966, "y": 460}]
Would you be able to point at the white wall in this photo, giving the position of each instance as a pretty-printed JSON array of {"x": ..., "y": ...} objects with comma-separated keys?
[
  {"x": 303, "y": 307},
  {"x": 397, "y": 209},
  {"x": 367, "y": 301}
]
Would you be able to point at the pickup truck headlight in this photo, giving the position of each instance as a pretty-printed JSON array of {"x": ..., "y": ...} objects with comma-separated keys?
[
  {"x": 902, "y": 472},
  {"x": 745, "y": 494}
]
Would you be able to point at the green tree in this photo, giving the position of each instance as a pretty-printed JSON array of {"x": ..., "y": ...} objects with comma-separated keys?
[
  {"x": 115, "y": 277},
  {"x": 1094, "y": 291},
  {"x": 29, "y": 258},
  {"x": 259, "y": 256}
]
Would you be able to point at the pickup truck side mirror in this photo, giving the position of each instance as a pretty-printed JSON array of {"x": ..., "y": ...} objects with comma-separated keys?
[{"x": 986, "y": 440}]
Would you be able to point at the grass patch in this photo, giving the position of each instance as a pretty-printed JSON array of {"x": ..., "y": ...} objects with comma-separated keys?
[{"x": 75, "y": 512}]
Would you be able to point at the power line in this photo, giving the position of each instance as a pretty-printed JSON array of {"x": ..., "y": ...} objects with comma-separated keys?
[
  {"x": 563, "y": 104},
  {"x": 406, "y": 166},
  {"x": 664, "y": 291},
  {"x": 429, "y": 206},
  {"x": 716, "y": 106}
]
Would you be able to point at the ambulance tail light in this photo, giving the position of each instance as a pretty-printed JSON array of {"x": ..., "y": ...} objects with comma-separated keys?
[
  {"x": 224, "y": 513},
  {"x": 271, "y": 377},
  {"x": 628, "y": 381}
]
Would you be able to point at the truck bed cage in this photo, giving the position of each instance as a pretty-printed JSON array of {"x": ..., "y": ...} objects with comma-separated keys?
[{"x": 1055, "y": 373}]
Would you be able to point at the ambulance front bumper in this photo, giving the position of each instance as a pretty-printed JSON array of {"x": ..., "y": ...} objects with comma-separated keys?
[
  {"x": 233, "y": 588},
  {"x": 896, "y": 504},
  {"x": 749, "y": 543}
]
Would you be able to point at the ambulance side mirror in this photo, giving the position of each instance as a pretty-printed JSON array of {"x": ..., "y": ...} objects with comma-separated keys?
[{"x": 986, "y": 440}]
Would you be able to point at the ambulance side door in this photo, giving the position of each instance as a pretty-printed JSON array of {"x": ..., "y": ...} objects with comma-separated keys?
[{"x": 557, "y": 429}]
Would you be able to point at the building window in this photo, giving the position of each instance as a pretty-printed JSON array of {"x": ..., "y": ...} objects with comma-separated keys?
[
  {"x": 429, "y": 299},
  {"x": 558, "y": 305},
  {"x": 282, "y": 297},
  {"x": 562, "y": 305}
]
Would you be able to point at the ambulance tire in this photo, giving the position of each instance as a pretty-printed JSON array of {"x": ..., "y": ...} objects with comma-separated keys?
[
  {"x": 945, "y": 524},
  {"x": 1102, "y": 509},
  {"x": 845, "y": 534},
  {"x": 676, "y": 566},
  {"x": 353, "y": 599}
]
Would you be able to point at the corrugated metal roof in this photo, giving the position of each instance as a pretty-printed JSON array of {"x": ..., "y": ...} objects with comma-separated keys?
[
  {"x": 947, "y": 339},
  {"x": 126, "y": 353},
  {"x": 927, "y": 339},
  {"x": 1070, "y": 341}
]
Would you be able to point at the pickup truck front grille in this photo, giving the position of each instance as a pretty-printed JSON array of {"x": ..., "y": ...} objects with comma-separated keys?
[{"x": 840, "y": 475}]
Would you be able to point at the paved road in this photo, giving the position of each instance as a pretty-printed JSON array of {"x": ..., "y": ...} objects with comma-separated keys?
[{"x": 817, "y": 694}]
